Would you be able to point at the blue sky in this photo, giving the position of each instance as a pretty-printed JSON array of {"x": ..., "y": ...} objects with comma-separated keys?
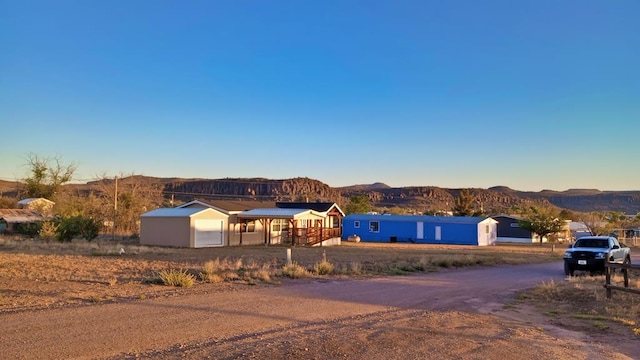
[{"x": 527, "y": 94}]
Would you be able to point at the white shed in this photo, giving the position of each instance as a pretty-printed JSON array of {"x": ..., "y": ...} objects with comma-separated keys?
[{"x": 184, "y": 227}]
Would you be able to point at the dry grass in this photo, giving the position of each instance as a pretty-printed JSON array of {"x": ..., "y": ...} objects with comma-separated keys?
[
  {"x": 175, "y": 277},
  {"x": 36, "y": 274},
  {"x": 581, "y": 302},
  {"x": 323, "y": 268}
]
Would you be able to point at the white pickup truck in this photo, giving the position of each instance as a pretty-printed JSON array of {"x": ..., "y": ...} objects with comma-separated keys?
[{"x": 589, "y": 253}]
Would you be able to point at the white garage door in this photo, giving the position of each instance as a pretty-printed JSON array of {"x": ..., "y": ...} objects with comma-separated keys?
[{"x": 209, "y": 233}]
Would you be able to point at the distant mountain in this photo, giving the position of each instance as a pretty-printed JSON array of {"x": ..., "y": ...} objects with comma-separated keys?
[
  {"x": 419, "y": 198},
  {"x": 364, "y": 187}
]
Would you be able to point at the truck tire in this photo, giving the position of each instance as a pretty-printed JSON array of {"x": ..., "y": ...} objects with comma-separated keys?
[{"x": 568, "y": 270}]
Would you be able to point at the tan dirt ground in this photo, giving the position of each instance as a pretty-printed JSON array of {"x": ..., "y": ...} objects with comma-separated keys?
[{"x": 35, "y": 282}]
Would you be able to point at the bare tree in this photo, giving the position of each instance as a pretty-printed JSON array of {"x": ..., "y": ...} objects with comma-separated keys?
[
  {"x": 124, "y": 198},
  {"x": 46, "y": 175},
  {"x": 597, "y": 223}
]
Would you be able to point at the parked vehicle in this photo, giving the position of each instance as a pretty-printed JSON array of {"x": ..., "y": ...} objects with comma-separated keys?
[{"x": 589, "y": 253}]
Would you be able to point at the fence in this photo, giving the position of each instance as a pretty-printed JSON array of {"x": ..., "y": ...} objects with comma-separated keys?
[{"x": 609, "y": 267}]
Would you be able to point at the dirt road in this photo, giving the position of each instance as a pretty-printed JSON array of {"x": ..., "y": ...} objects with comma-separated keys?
[{"x": 453, "y": 314}]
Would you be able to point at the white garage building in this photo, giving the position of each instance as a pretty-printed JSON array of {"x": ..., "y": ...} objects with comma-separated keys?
[{"x": 184, "y": 227}]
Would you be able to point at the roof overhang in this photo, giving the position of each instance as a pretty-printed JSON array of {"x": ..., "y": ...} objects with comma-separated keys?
[{"x": 280, "y": 213}]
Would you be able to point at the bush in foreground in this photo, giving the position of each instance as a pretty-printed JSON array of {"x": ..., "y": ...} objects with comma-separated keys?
[
  {"x": 323, "y": 268},
  {"x": 175, "y": 277},
  {"x": 294, "y": 271}
]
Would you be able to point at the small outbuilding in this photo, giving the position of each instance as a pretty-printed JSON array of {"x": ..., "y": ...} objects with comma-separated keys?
[
  {"x": 509, "y": 230},
  {"x": 458, "y": 230},
  {"x": 12, "y": 219},
  {"x": 42, "y": 206},
  {"x": 184, "y": 227}
]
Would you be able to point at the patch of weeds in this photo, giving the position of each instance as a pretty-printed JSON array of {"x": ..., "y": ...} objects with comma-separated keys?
[
  {"x": 636, "y": 331},
  {"x": 626, "y": 322},
  {"x": 397, "y": 271},
  {"x": 95, "y": 299},
  {"x": 112, "y": 281},
  {"x": 175, "y": 277},
  {"x": 142, "y": 296},
  {"x": 323, "y": 268},
  {"x": 355, "y": 267},
  {"x": 230, "y": 276},
  {"x": 589, "y": 317},
  {"x": 211, "y": 278},
  {"x": 294, "y": 271},
  {"x": 263, "y": 275},
  {"x": 552, "y": 313},
  {"x": 600, "y": 325},
  {"x": 522, "y": 296}
]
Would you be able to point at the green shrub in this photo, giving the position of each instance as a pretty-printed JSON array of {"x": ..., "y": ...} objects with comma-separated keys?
[
  {"x": 78, "y": 226},
  {"x": 29, "y": 229},
  {"x": 175, "y": 277}
]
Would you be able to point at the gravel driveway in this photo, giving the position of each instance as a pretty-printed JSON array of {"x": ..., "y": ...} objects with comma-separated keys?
[{"x": 452, "y": 314}]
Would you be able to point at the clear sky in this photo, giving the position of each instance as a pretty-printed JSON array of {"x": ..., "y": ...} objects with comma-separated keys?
[{"x": 532, "y": 95}]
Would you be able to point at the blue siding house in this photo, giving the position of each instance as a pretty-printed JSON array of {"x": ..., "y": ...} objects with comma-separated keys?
[{"x": 459, "y": 230}]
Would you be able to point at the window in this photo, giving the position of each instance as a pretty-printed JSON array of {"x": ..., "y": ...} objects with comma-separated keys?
[
  {"x": 486, "y": 231},
  {"x": 515, "y": 225},
  {"x": 374, "y": 226},
  {"x": 280, "y": 225},
  {"x": 438, "y": 233},
  {"x": 248, "y": 227},
  {"x": 356, "y": 224}
]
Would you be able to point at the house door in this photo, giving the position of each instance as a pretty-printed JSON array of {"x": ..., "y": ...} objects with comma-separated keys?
[
  {"x": 208, "y": 233},
  {"x": 279, "y": 230}
]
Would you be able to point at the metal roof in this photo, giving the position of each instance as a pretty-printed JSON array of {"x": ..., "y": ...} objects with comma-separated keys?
[
  {"x": 29, "y": 200},
  {"x": 231, "y": 206},
  {"x": 423, "y": 218},
  {"x": 279, "y": 213},
  {"x": 13, "y": 216},
  {"x": 175, "y": 212},
  {"x": 315, "y": 206}
]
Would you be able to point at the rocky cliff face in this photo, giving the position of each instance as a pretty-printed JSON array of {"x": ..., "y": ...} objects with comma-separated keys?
[
  {"x": 420, "y": 198},
  {"x": 255, "y": 189}
]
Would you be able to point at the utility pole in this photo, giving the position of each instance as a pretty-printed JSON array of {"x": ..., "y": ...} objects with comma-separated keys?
[{"x": 115, "y": 207}]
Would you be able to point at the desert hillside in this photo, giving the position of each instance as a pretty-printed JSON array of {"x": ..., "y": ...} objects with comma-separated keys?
[{"x": 420, "y": 198}]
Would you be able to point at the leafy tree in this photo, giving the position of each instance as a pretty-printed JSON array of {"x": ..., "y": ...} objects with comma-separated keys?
[
  {"x": 464, "y": 204},
  {"x": 358, "y": 204},
  {"x": 566, "y": 214},
  {"x": 542, "y": 221},
  {"x": 46, "y": 175},
  {"x": 78, "y": 226}
]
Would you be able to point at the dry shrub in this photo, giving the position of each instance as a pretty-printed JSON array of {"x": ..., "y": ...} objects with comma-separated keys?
[
  {"x": 355, "y": 267},
  {"x": 175, "y": 277},
  {"x": 211, "y": 278},
  {"x": 112, "y": 281},
  {"x": 323, "y": 268},
  {"x": 294, "y": 271},
  {"x": 48, "y": 231}
]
